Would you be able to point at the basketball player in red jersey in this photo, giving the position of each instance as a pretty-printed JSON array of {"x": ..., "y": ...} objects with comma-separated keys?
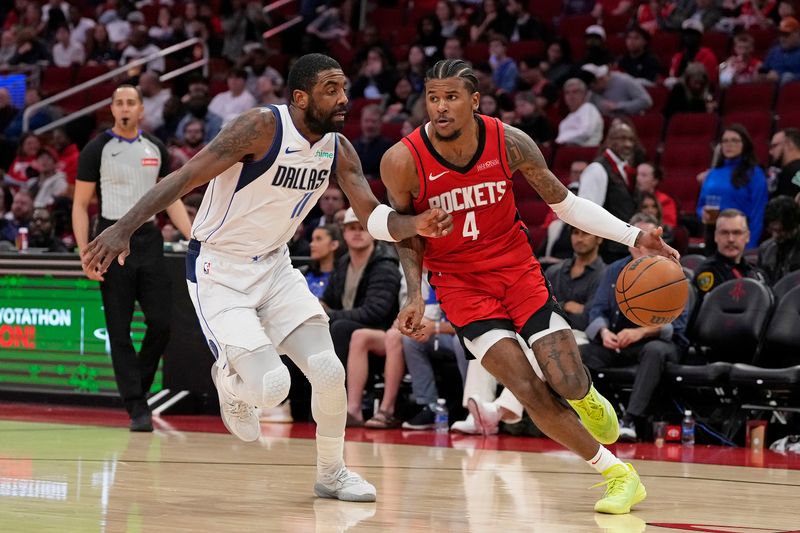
[{"x": 484, "y": 273}]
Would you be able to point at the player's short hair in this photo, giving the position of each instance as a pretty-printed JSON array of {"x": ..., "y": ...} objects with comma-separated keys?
[
  {"x": 304, "y": 72},
  {"x": 129, "y": 86},
  {"x": 453, "y": 68}
]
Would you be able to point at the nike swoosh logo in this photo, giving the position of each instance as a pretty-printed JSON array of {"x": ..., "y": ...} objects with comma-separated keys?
[
  {"x": 287, "y": 151},
  {"x": 432, "y": 177},
  {"x": 115, "y": 155}
]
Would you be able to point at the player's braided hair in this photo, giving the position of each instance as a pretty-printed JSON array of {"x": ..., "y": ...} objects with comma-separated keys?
[
  {"x": 304, "y": 72},
  {"x": 453, "y": 68}
]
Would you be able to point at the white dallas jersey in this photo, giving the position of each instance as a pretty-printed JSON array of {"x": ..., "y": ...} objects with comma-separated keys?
[{"x": 254, "y": 208}]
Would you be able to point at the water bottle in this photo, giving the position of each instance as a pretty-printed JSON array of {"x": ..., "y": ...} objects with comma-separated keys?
[
  {"x": 687, "y": 429},
  {"x": 441, "y": 421},
  {"x": 22, "y": 239}
]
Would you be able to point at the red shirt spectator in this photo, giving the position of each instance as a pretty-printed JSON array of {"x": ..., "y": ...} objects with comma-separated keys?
[{"x": 67, "y": 153}]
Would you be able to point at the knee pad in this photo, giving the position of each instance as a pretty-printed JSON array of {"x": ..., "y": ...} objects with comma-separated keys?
[
  {"x": 273, "y": 389},
  {"x": 326, "y": 374}
]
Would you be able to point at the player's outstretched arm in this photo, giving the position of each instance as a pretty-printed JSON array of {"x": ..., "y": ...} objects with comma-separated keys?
[
  {"x": 399, "y": 174},
  {"x": 524, "y": 156},
  {"x": 431, "y": 223},
  {"x": 248, "y": 134}
]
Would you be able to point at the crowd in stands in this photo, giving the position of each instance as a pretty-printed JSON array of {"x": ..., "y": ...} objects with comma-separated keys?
[{"x": 679, "y": 113}]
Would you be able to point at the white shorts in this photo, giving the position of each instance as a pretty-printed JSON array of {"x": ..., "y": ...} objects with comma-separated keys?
[{"x": 247, "y": 302}]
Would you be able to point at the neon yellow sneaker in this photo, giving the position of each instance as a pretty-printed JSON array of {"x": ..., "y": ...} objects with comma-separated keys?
[
  {"x": 623, "y": 490},
  {"x": 597, "y": 416}
]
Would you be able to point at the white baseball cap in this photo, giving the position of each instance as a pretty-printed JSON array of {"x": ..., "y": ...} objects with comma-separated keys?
[
  {"x": 349, "y": 216},
  {"x": 596, "y": 29},
  {"x": 598, "y": 71}
]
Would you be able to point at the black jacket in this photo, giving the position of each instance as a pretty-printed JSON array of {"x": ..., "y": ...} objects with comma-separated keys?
[
  {"x": 719, "y": 269},
  {"x": 375, "y": 305}
]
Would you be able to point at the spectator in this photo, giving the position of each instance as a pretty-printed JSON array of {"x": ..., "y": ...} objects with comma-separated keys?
[
  {"x": 172, "y": 115},
  {"x": 8, "y": 47},
  {"x": 504, "y": 69},
  {"x": 526, "y": 27},
  {"x": 785, "y": 152},
  {"x": 118, "y": 28},
  {"x": 692, "y": 93},
  {"x": 531, "y": 78},
  {"x": 429, "y": 37},
  {"x": 154, "y": 96},
  {"x": 256, "y": 64},
  {"x": 577, "y": 7},
  {"x": 79, "y": 26},
  {"x": 648, "y": 178},
  {"x": 193, "y": 139},
  {"x": 530, "y": 119},
  {"x": 18, "y": 217},
  {"x": 298, "y": 245},
  {"x": 558, "y": 63},
  {"x": 780, "y": 254},
  {"x": 100, "y": 50},
  {"x": 139, "y": 47},
  {"x": 703, "y": 12},
  {"x": 267, "y": 93},
  {"x": 573, "y": 282},
  {"x": 371, "y": 145},
  {"x": 638, "y": 60},
  {"x": 67, "y": 155},
  {"x": 24, "y": 169},
  {"x": 331, "y": 202},
  {"x": 731, "y": 236},
  {"x": 692, "y": 51},
  {"x": 783, "y": 60},
  {"x": 371, "y": 38},
  {"x": 616, "y": 341},
  {"x": 762, "y": 13},
  {"x": 326, "y": 247},
  {"x": 376, "y": 78},
  {"x": 162, "y": 33},
  {"x": 52, "y": 182},
  {"x": 616, "y": 93},
  {"x": 41, "y": 232},
  {"x": 653, "y": 16},
  {"x": 483, "y": 71},
  {"x": 67, "y": 52},
  {"x": 448, "y": 22},
  {"x": 584, "y": 124},
  {"x": 30, "y": 50},
  {"x": 490, "y": 18},
  {"x": 609, "y": 181},
  {"x": 737, "y": 182},
  {"x": 329, "y": 27},
  {"x": 596, "y": 51},
  {"x": 400, "y": 103},
  {"x": 489, "y": 105},
  {"x": 741, "y": 67},
  {"x": 362, "y": 291},
  {"x": 229, "y": 104},
  {"x": 43, "y": 116},
  {"x": 197, "y": 108},
  {"x": 7, "y": 109},
  {"x": 613, "y": 8},
  {"x": 453, "y": 48},
  {"x": 416, "y": 68}
]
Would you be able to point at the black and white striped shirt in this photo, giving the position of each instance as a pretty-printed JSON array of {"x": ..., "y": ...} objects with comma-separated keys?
[{"x": 124, "y": 169}]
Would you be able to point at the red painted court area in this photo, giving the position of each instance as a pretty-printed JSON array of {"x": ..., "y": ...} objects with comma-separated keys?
[{"x": 699, "y": 454}]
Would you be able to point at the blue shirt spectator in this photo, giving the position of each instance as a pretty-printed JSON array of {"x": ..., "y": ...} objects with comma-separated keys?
[{"x": 783, "y": 60}]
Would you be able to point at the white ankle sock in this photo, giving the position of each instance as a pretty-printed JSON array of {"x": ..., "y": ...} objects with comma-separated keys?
[
  {"x": 330, "y": 455},
  {"x": 603, "y": 460}
]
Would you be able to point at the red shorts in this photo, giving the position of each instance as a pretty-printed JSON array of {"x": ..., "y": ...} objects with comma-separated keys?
[{"x": 512, "y": 293}]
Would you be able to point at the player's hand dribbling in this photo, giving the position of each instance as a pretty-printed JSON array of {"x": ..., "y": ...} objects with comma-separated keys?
[
  {"x": 109, "y": 245},
  {"x": 409, "y": 320},
  {"x": 651, "y": 243},
  {"x": 434, "y": 223}
]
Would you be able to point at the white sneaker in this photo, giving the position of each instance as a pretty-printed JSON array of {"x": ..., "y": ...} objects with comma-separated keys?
[
  {"x": 240, "y": 418},
  {"x": 466, "y": 426},
  {"x": 346, "y": 486},
  {"x": 486, "y": 415},
  {"x": 280, "y": 414}
]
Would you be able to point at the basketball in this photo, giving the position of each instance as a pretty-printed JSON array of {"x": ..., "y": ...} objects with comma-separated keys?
[{"x": 652, "y": 291}]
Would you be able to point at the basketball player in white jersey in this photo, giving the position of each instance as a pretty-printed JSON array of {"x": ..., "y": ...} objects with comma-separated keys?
[{"x": 267, "y": 168}]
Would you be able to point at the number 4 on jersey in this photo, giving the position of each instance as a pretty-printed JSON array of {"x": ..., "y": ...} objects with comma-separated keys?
[{"x": 470, "y": 227}]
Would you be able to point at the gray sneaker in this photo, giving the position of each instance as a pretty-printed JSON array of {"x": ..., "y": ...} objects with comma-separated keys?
[
  {"x": 240, "y": 418},
  {"x": 346, "y": 486}
]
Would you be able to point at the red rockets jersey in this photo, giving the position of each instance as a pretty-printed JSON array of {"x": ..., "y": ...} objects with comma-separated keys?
[{"x": 487, "y": 232}]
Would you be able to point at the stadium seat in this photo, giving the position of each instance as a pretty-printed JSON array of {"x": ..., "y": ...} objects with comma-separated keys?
[
  {"x": 532, "y": 211},
  {"x": 681, "y": 163},
  {"x": 788, "y": 96},
  {"x": 789, "y": 118},
  {"x": 756, "y": 97},
  {"x": 575, "y": 25},
  {"x": 692, "y": 261},
  {"x": 649, "y": 128},
  {"x": 89, "y": 72},
  {"x": 545, "y": 11},
  {"x": 718, "y": 42},
  {"x": 786, "y": 284},
  {"x": 565, "y": 155},
  {"x": 356, "y": 105},
  {"x": 392, "y": 130},
  {"x": 691, "y": 128},
  {"x": 659, "y": 94},
  {"x": 522, "y": 49},
  {"x": 758, "y": 123},
  {"x": 476, "y": 53},
  {"x": 57, "y": 79},
  {"x": 764, "y": 39},
  {"x": 522, "y": 189}
]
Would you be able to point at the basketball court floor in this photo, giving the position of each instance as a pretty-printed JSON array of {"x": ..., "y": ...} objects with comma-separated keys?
[{"x": 80, "y": 470}]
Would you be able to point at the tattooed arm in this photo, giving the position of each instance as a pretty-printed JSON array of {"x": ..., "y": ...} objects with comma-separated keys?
[
  {"x": 249, "y": 134},
  {"x": 399, "y": 174},
  {"x": 523, "y": 155}
]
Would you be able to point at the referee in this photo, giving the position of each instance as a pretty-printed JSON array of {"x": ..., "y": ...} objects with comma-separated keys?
[{"x": 121, "y": 165}]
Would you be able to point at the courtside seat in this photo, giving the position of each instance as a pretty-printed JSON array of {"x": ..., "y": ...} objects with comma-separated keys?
[
  {"x": 785, "y": 284},
  {"x": 692, "y": 261},
  {"x": 712, "y": 374}
]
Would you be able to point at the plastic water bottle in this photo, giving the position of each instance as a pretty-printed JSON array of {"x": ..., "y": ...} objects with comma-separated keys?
[
  {"x": 441, "y": 421},
  {"x": 687, "y": 429}
]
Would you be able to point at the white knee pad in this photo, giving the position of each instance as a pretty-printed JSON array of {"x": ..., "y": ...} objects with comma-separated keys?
[
  {"x": 326, "y": 374},
  {"x": 273, "y": 389}
]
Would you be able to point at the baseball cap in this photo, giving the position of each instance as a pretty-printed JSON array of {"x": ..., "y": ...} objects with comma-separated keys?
[
  {"x": 596, "y": 29},
  {"x": 788, "y": 25},
  {"x": 349, "y": 216},
  {"x": 598, "y": 71},
  {"x": 693, "y": 24}
]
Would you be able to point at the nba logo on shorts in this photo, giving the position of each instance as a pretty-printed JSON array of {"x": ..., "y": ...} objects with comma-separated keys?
[{"x": 206, "y": 267}]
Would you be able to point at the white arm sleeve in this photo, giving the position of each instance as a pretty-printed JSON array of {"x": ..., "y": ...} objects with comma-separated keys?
[{"x": 592, "y": 218}]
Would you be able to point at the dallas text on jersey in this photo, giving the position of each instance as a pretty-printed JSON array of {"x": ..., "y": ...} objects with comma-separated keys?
[{"x": 305, "y": 179}]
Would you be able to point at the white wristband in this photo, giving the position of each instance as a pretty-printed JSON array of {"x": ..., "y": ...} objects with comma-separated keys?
[
  {"x": 378, "y": 223},
  {"x": 592, "y": 218}
]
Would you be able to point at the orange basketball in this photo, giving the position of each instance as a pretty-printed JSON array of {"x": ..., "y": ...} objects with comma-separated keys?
[{"x": 652, "y": 290}]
